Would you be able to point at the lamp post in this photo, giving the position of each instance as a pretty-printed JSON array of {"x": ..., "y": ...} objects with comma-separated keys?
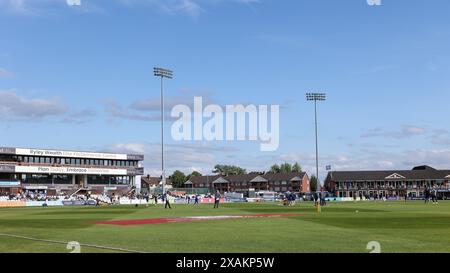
[
  {"x": 316, "y": 97},
  {"x": 162, "y": 73}
]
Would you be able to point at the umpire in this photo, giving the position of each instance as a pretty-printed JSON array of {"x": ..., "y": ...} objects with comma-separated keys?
[
  {"x": 167, "y": 204},
  {"x": 217, "y": 199}
]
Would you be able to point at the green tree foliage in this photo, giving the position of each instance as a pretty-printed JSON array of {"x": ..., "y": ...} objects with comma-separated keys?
[
  {"x": 286, "y": 168},
  {"x": 228, "y": 170},
  {"x": 194, "y": 173},
  {"x": 275, "y": 169},
  {"x": 296, "y": 168},
  {"x": 313, "y": 183},
  {"x": 178, "y": 178}
]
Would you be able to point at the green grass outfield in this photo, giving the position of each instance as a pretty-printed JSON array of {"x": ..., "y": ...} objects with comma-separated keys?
[{"x": 398, "y": 226}]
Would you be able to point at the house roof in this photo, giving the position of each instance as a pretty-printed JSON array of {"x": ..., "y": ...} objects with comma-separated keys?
[
  {"x": 254, "y": 177},
  {"x": 418, "y": 173},
  {"x": 154, "y": 181},
  {"x": 203, "y": 179},
  {"x": 284, "y": 176}
]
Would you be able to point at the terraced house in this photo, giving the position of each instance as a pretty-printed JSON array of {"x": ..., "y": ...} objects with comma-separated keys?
[
  {"x": 395, "y": 183},
  {"x": 278, "y": 182}
]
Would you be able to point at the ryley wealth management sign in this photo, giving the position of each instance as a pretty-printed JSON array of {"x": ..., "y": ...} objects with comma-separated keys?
[{"x": 72, "y": 154}]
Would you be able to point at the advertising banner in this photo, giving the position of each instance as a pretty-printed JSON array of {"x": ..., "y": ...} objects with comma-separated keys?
[
  {"x": 36, "y": 187},
  {"x": 9, "y": 184},
  {"x": 71, "y": 154},
  {"x": 79, "y": 203},
  {"x": 7, "y": 150},
  {"x": 7, "y": 168},
  {"x": 41, "y": 203},
  {"x": 73, "y": 203},
  {"x": 236, "y": 200},
  {"x": 12, "y": 204},
  {"x": 136, "y": 171},
  {"x": 134, "y": 202},
  {"x": 69, "y": 170},
  {"x": 211, "y": 200}
]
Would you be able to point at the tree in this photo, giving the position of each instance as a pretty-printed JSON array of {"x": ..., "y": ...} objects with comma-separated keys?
[
  {"x": 296, "y": 168},
  {"x": 313, "y": 183},
  {"x": 178, "y": 178},
  {"x": 286, "y": 168},
  {"x": 228, "y": 170},
  {"x": 194, "y": 173},
  {"x": 275, "y": 169}
]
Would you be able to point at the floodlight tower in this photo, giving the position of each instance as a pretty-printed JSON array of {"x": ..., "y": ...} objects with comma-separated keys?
[
  {"x": 316, "y": 97},
  {"x": 162, "y": 73}
]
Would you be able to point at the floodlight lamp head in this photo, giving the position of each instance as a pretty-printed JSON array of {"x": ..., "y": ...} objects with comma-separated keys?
[
  {"x": 315, "y": 96},
  {"x": 164, "y": 73}
]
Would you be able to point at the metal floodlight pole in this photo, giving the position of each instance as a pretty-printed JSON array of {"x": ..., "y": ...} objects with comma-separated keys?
[
  {"x": 316, "y": 97},
  {"x": 163, "y": 73}
]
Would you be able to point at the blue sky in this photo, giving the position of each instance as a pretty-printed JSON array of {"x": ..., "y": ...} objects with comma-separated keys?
[{"x": 80, "y": 77}]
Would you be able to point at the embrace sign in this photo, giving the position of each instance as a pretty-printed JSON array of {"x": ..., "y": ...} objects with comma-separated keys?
[{"x": 68, "y": 170}]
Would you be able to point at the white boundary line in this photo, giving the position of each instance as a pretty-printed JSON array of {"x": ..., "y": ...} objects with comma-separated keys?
[{"x": 65, "y": 243}]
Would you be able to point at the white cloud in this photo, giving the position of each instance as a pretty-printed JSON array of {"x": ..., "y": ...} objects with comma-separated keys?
[
  {"x": 80, "y": 117},
  {"x": 16, "y": 6},
  {"x": 6, "y": 74},
  {"x": 203, "y": 157},
  {"x": 440, "y": 137},
  {"x": 184, "y": 157},
  {"x": 17, "y": 107},
  {"x": 371, "y": 160},
  {"x": 114, "y": 110},
  {"x": 192, "y": 8},
  {"x": 405, "y": 132},
  {"x": 150, "y": 109}
]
